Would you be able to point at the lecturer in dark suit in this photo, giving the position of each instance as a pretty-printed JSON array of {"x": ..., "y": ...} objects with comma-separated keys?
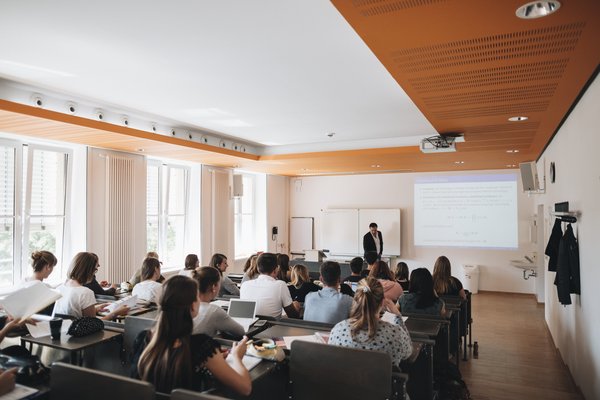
[{"x": 373, "y": 241}]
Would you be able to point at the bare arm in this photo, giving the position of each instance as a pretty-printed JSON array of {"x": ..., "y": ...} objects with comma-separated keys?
[{"x": 235, "y": 376}]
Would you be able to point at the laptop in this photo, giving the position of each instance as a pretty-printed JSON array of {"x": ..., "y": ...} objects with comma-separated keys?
[{"x": 243, "y": 312}]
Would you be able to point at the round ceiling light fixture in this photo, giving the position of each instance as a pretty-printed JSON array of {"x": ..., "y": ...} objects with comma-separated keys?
[
  {"x": 517, "y": 119},
  {"x": 537, "y": 9}
]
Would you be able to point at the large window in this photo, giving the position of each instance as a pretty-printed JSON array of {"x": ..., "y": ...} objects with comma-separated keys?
[
  {"x": 33, "y": 192},
  {"x": 167, "y": 199},
  {"x": 244, "y": 214}
]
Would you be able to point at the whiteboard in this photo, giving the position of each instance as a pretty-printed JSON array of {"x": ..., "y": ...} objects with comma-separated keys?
[
  {"x": 388, "y": 223},
  {"x": 301, "y": 234},
  {"x": 339, "y": 231}
]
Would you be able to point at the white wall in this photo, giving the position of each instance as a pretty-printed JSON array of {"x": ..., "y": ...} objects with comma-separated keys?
[
  {"x": 576, "y": 328},
  {"x": 313, "y": 194},
  {"x": 278, "y": 212}
]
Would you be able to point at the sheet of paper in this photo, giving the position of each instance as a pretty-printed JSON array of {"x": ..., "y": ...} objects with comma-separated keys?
[
  {"x": 27, "y": 301},
  {"x": 288, "y": 340},
  {"x": 389, "y": 317},
  {"x": 20, "y": 392},
  {"x": 42, "y": 328},
  {"x": 248, "y": 361},
  {"x": 129, "y": 301}
]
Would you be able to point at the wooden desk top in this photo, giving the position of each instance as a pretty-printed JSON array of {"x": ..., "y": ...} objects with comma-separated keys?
[{"x": 71, "y": 343}]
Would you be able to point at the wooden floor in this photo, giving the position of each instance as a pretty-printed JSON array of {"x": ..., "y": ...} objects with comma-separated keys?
[{"x": 517, "y": 358}]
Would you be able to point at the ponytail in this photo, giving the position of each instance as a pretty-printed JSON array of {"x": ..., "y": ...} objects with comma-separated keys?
[{"x": 364, "y": 313}]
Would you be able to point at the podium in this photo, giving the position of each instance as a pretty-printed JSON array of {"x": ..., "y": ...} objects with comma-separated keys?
[{"x": 314, "y": 255}]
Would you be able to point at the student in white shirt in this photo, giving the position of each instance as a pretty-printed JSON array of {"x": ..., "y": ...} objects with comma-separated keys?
[
  {"x": 211, "y": 318},
  {"x": 191, "y": 263},
  {"x": 149, "y": 289},
  {"x": 271, "y": 295},
  {"x": 43, "y": 263},
  {"x": 219, "y": 261},
  {"x": 77, "y": 300}
]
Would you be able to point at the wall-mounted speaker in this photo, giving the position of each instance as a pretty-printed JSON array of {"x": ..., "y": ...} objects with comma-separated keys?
[
  {"x": 238, "y": 185},
  {"x": 529, "y": 176}
]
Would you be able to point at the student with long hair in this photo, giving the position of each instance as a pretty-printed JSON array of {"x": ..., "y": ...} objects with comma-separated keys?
[
  {"x": 43, "y": 263},
  {"x": 364, "y": 329},
  {"x": 422, "y": 298},
  {"x": 149, "y": 289},
  {"x": 251, "y": 268},
  {"x": 191, "y": 263},
  {"x": 301, "y": 285},
  {"x": 78, "y": 300},
  {"x": 219, "y": 261},
  {"x": 392, "y": 289},
  {"x": 283, "y": 261},
  {"x": 443, "y": 281},
  {"x": 212, "y": 319},
  {"x": 170, "y": 357},
  {"x": 401, "y": 274}
]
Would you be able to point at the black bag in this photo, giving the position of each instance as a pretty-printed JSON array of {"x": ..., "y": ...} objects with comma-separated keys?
[
  {"x": 85, "y": 326},
  {"x": 450, "y": 384},
  {"x": 30, "y": 370}
]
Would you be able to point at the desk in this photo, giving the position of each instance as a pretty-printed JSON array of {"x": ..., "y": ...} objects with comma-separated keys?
[
  {"x": 72, "y": 344},
  {"x": 423, "y": 327}
]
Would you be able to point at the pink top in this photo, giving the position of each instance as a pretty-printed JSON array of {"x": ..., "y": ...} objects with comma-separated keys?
[{"x": 391, "y": 289}]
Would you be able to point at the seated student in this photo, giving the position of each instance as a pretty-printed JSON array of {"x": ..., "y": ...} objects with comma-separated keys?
[
  {"x": 422, "y": 298},
  {"x": 250, "y": 268},
  {"x": 356, "y": 266},
  {"x": 137, "y": 275},
  {"x": 371, "y": 258},
  {"x": 364, "y": 329},
  {"x": 328, "y": 305},
  {"x": 149, "y": 289},
  {"x": 212, "y": 319},
  {"x": 283, "y": 261},
  {"x": 43, "y": 263},
  {"x": 191, "y": 263},
  {"x": 391, "y": 288},
  {"x": 219, "y": 261},
  {"x": 77, "y": 300},
  {"x": 102, "y": 288},
  {"x": 401, "y": 275},
  {"x": 170, "y": 356},
  {"x": 301, "y": 285},
  {"x": 443, "y": 281},
  {"x": 271, "y": 296}
]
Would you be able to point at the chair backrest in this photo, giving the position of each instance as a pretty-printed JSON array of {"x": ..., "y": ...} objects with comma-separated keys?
[
  {"x": 182, "y": 394},
  {"x": 133, "y": 326},
  {"x": 73, "y": 382},
  {"x": 321, "y": 371}
]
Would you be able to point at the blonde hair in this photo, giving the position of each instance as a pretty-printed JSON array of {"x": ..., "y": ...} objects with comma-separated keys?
[
  {"x": 364, "y": 313},
  {"x": 299, "y": 275},
  {"x": 442, "y": 273},
  {"x": 251, "y": 266}
]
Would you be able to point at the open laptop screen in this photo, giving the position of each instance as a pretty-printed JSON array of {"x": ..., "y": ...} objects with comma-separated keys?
[{"x": 242, "y": 308}]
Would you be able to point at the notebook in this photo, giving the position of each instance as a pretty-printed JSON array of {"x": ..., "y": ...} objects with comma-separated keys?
[{"x": 243, "y": 312}]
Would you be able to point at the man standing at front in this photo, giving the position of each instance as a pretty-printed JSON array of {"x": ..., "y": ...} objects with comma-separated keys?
[
  {"x": 373, "y": 241},
  {"x": 271, "y": 295}
]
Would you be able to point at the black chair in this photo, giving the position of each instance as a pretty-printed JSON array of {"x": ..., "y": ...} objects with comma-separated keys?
[
  {"x": 133, "y": 326},
  {"x": 73, "y": 382},
  {"x": 323, "y": 372}
]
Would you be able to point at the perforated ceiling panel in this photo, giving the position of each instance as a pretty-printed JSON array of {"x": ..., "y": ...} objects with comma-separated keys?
[{"x": 471, "y": 65}]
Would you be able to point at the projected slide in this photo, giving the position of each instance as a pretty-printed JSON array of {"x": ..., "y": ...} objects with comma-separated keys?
[{"x": 466, "y": 211}]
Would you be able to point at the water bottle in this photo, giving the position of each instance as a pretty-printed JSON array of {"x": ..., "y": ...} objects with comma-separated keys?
[{"x": 475, "y": 350}]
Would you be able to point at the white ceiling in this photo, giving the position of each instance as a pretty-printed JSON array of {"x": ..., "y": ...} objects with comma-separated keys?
[{"x": 280, "y": 73}]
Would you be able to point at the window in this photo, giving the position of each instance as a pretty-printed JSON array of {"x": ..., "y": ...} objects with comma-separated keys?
[
  {"x": 32, "y": 215},
  {"x": 244, "y": 215},
  {"x": 167, "y": 199}
]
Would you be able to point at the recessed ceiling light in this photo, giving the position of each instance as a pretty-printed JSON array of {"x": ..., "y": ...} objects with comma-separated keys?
[
  {"x": 375, "y": 166},
  {"x": 517, "y": 119},
  {"x": 537, "y": 9},
  {"x": 459, "y": 162},
  {"x": 511, "y": 165},
  {"x": 512, "y": 151},
  {"x": 140, "y": 150}
]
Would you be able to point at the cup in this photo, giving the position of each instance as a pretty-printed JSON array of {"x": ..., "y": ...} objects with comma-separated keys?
[{"x": 55, "y": 325}]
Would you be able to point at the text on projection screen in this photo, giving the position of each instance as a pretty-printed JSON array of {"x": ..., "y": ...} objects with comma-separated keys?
[{"x": 466, "y": 211}]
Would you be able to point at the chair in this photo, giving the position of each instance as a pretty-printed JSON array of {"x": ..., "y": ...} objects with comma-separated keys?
[
  {"x": 321, "y": 371},
  {"x": 73, "y": 382},
  {"x": 133, "y": 326},
  {"x": 182, "y": 394}
]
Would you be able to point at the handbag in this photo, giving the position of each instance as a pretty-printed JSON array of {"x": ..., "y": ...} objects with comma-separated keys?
[
  {"x": 30, "y": 370},
  {"x": 84, "y": 326}
]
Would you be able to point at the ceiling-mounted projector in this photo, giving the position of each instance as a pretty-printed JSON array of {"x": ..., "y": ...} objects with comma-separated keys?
[{"x": 441, "y": 143}]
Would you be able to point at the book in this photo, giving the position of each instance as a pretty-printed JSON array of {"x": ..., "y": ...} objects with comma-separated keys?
[
  {"x": 25, "y": 302},
  {"x": 129, "y": 301}
]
